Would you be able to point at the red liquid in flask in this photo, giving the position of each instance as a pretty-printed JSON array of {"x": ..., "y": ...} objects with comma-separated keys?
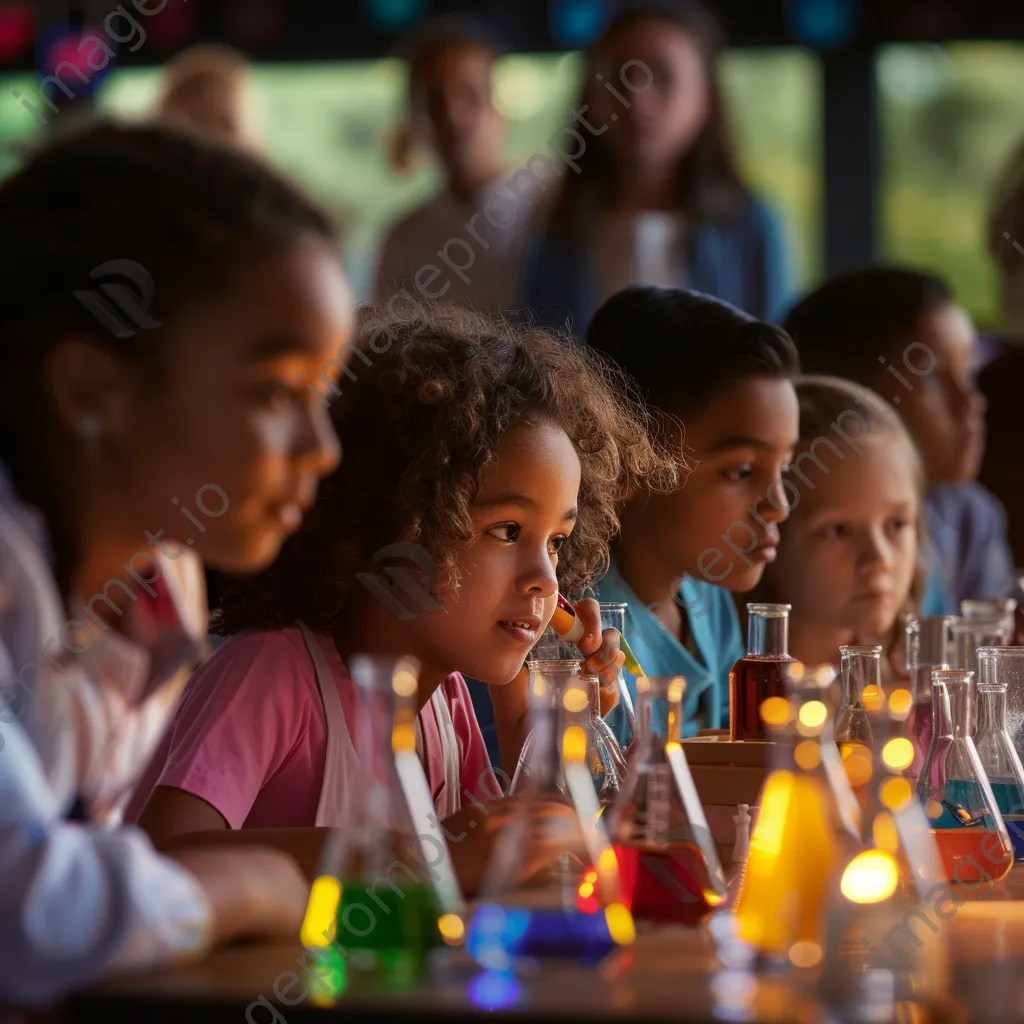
[
  {"x": 666, "y": 883},
  {"x": 753, "y": 680}
]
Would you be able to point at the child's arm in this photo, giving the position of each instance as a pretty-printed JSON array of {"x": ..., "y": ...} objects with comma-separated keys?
[{"x": 77, "y": 903}]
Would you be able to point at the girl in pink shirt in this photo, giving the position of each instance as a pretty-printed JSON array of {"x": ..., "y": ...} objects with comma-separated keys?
[{"x": 483, "y": 467}]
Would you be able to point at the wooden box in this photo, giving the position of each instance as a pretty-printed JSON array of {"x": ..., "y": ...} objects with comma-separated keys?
[{"x": 726, "y": 775}]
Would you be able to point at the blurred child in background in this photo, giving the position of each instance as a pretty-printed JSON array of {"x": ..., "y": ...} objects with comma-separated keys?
[
  {"x": 161, "y": 416},
  {"x": 902, "y": 334},
  {"x": 719, "y": 381},
  {"x": 504, "y": 456},
  {"x": 207, "y": 89},
  {"x": 850, "y": 562},
  {"x": 476, "y": 220},
  {"x": 655, "y": 196}
]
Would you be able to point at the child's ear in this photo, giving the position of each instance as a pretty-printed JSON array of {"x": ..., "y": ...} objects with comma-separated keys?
[{"x": 89, "y": 388}]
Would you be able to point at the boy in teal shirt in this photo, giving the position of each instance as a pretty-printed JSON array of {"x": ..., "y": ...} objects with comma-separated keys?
[{"x": 719, "y": 383}]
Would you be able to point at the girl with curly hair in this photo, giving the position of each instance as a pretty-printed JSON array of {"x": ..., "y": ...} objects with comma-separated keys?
[{"x": 495, "y": 459}]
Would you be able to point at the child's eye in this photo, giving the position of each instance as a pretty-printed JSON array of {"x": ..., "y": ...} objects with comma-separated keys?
[
  {"x": 506, "y": 533},
  {"x": 898, "y": 523},
  {"x": 555, "y": 544},
  {"x": 278, "y": 395},
  {"x": 841, "y": 531},
  {"x": 739, "y": 473}
]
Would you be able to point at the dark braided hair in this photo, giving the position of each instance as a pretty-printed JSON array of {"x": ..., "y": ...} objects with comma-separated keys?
[
  {"x": 433, "y": 396},
  {"x": 188, "y": 212}
]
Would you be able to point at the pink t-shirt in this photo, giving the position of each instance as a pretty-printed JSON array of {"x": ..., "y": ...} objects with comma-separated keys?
[{"x": 250, "y": 737}]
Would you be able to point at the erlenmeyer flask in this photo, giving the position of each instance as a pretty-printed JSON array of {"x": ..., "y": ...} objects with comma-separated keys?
[
  {"x": 527, "y": 901},
  {"x": 668, "y": 862},
  {"x": 390, "y": 898},
  {"x": 867, "y": 976},
  {"x": 557, "y": 659},
  {"x": 1008, "y": 667},
  {"x": 800, "y": 836},
  {"x": 994, "y": 629},
  {"x": 995, "y": 746},
  {"x": 760, "y": 674},
  {"x": 861, "y": 687},
  {"x": 613, "y": 616},
  {"x": 965, "y": 820},
  {"x": 929, "y": 638}
]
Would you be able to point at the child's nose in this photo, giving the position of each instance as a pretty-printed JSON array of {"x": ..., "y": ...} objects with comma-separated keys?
[{"x": 539, "y": 576}]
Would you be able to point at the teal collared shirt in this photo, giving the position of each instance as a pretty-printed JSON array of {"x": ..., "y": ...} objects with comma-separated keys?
[{"x": 716, "y": 632}]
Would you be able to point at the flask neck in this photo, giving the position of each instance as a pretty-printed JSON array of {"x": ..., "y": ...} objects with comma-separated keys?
[
  {"x": 862, "y": 670},
  {"x": 941, "y": 715},
  {"x": 991, "y": 710},
  {"x": 768, "y": 635}
]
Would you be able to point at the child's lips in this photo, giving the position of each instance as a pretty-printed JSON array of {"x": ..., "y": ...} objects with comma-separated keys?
[{"x": 524, "y": 629}]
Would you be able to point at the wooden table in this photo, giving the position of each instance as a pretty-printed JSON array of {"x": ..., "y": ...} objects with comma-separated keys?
[{"x": 668, "y": 974}]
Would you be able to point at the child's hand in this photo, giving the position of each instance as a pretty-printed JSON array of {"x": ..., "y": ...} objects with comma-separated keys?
[
  {"x": 253, "y": 891},
  {"x": 601, "y": 650}
]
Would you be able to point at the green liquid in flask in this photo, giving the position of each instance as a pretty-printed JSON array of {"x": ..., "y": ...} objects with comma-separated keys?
[{"x": 386, "y": 932}]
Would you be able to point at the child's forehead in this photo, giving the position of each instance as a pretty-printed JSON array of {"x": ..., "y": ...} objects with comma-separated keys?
[{"x": 759, "y": 410}]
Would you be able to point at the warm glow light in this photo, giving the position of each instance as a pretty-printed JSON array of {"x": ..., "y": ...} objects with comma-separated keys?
[
  {"x": 898, "y": 753},
  {"x": 575, "y": 700},
  {"x": 872, "y": 698},
  {"x": 870, "y": 877},
  {"x": 403, "y": 737},
  {"x": 933, "y": 809},
  {"x": 795, "y": 672},
  {"x": 620, "y": 924},
  {"x": 676, "y": 689},
  {"x": 404, "y": 683},
  {"x": 805, "y": 954},
  {"x": 452, "y": 929},
  {"x": 643, "y": 684},
  {"x": 813, "y": 714},
  {"x": 574, "y": 745},
  {"x": 807, "y": 755},
  {"x": 607, "y": 862},
  {"x": 767, "y": 835},
  {"x": 319, "y": 923},
  {"x": 775, "y": 711},
  {"x": 900, "y": 703},
  {"x": 895, "y": 793},
  {"x": 587, "y": 889},
  {"x": 857, "y": 762},
  {"x": 883, "y": 831}
]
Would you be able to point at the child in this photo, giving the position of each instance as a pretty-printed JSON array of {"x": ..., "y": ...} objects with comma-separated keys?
[
  {"x": 850, "y": 558},
  {"x": 656, "y": 197},
  {"x": 452, "y": 112},
  {"x": 726, "y": 377},
  {"x": 901, "y": 333},
  {"x": 158, "y": 416},
  {"x": 495, "y": 459}
]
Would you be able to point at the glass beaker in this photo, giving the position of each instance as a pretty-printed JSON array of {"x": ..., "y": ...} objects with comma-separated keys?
[
  {"x": 995, "y": 746},
  {"x": 527, "y": 904},
  {"x": 929, "y": 639},
  {"x": 613, "y": 616},
  {"x": 801, "y": 834},
  {"x": 669, "y": 868},
  {"x": 1007, "y": 665},
  {"x": 557, "y": 659},
  {"x": 760, "y": 674},
  {"x": 987, "y": 607},
  {"x": 993, "y": 630},
  {"x": 383, "y": 900},
  {"x": 883, "y": 885},
  {"x": 861, "y": 686},
  {"x": 963, "y": 814}
]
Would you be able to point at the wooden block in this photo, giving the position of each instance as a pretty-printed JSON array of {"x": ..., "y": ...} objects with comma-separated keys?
[
  {"x": 728, "y": 786},
  {"x": 725, "y": 752}
]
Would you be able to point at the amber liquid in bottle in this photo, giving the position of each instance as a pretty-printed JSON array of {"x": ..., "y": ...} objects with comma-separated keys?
[{"x": 762, "y": 672}]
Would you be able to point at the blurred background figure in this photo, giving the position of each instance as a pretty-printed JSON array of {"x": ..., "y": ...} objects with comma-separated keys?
[
  {"x": 658, "y": 199},
  {"x": 1001, "y": 380},
  {"x": 207, "y": 89},
  {"x": 451, "y": 112}
]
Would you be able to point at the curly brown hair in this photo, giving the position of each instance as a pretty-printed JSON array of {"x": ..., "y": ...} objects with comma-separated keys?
[{"x": 425, "y": 401}]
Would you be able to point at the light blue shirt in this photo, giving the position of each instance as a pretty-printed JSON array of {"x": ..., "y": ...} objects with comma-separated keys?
[{"x": 716, "y": 632}]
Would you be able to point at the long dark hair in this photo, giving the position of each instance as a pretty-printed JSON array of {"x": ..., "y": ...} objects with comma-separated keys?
[
  {"x": 190, "y": 212},
  {"x": 708, "y": 185}
]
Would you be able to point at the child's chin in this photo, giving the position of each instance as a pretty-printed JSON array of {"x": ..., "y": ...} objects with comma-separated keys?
[{"x": 743, "y": 578}]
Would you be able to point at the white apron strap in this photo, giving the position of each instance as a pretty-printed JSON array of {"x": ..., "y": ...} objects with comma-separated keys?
[
  {"x": 450, "y": 799},
  {"x": 341, "y": 766}
]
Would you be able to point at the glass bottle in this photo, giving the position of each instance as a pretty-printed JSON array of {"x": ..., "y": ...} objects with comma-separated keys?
[
  {"x": 861, "y": 690},
  {"x": 929, "y": 639},
  {"x": 760, "y": 674},
  {"x": 963, "y": 814},
  {"x": 800, "y": 836},
  {"x": 376, "y": 908},
  {"x": 995, "y": 746},
  {"x": 1007, "y": 665},
  {"x": 881, "y": 886},
  {"x": 558, "y": 659},
  {"x": 668, "y": 861},
  {"x": 979, "y": 630},
  {"x": 527, "y": 909},
  {"x": 613, "y": 616}
]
